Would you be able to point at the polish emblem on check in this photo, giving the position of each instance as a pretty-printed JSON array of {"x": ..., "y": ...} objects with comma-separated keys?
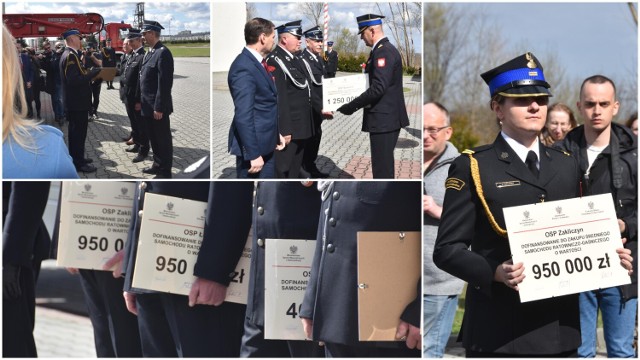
[
  {"x": 293, "y": 249},
  {"x": 169, "y": 206},
  {"x": 124, "y": 190},
  {"x": 87, "y": 187}
]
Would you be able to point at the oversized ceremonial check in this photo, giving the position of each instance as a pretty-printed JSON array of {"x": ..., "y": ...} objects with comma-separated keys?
[
  {"x": 341, "y": 90},
  {"x": 566, "y": 246},
  {"x": 287, "y": 272},
  {"x": 171, "y": 233},
  {"x": 94, "y": 222}
]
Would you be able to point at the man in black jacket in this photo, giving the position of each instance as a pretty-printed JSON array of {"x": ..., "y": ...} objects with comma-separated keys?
[
  {"x": 130, "y": 94},
  {"x": 385, "y": 112},
  {"x": 156, "y": 81},
  {"x": 76, "y": 85},
  {"x": 607, "y": 156},
  {"x": 109, "y": 59}
]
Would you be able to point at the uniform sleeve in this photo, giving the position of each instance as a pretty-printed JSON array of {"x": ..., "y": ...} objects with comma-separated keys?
[
  {"x": 456, "y": 231},
  {"x": 412, "y": 312},
  {"x": 165, "y": 82},
  {"x": 75, "y": 73},
  {"x": 384, "y": 62},
  {"x": 226, "y": 229},
  {"x": 22, "y": 221}
]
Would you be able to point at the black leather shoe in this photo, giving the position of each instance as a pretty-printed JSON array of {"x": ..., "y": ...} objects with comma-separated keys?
[
  {"x": 86, "y": 168},
  {"x": 88, "y": 160},
  {"x": 134, "y": 149},
  {"x": 151, "y": 170},
  {"x": 139, "y": 158}
]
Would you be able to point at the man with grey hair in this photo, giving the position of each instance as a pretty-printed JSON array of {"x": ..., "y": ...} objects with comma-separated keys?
[{"x": 440, "y": 289}]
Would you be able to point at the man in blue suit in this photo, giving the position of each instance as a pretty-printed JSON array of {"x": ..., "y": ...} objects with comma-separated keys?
[{"x": 253, "y": 136}]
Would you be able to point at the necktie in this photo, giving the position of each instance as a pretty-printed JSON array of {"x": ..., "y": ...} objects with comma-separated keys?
[
  {"x": 264, "y": 65},
  {"x": 532, "y": 160}
]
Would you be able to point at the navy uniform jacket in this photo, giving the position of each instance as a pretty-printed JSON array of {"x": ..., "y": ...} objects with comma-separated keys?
[
  {"x": 108, "y": 57},
  {"x": 383, "y": 102},
  {"x": 156, "y": 80},
  {"x": 494, "y": 319},
  {"x": 24, "y": 235},
  {"x": 129, "y": 90},
  {"x": 282, "y": 210},
  {"x": 331, "y": 298},
  {"x": 76, "y": 81},
  {"x": 254, "y": 130},
  {"x": 317, "y": 71},
  {"x": 332, "y": 62},
  {"x": 294, "y": 110}
]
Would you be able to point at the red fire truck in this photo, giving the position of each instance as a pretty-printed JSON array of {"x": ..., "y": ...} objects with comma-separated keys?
[{"x": 53, "y": 25}]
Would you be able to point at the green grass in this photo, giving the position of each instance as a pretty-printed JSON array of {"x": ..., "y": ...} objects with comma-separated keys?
[{"x": 190, "y": 50}]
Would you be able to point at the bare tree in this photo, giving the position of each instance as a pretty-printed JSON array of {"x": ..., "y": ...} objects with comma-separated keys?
[
  {"x": 312, "y": 11},
  {"x": 445, "y": 35},
  {"x": 251, "y": 11},
  {"x": 402, "y": 18}
]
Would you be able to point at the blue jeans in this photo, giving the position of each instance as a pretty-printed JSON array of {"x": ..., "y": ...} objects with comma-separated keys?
[
  {"x": 618, "y": 320},
  {"x": 56, "y": 102},
  {"x": 439, "y": 312}
]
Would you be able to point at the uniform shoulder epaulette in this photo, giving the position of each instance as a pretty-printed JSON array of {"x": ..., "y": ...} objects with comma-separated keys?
[{"x": 480, "y": 148}]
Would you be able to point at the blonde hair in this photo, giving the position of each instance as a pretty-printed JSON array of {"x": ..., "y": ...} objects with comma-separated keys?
[{"x": 14, "y": 106}]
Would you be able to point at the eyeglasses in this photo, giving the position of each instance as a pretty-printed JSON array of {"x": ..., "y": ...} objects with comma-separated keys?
[{"x": 434, "y": 131}]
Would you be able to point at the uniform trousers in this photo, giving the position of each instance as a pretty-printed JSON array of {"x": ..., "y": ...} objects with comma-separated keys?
[
  {"x": 199, "y": 331},
  {"x": 18, "y": 316},
  {"x": 115, "y": 329},
  {"x": 255, "y": 345},
  {"x": 313, "y": 143},
  {"x": 78, "y": 123},
  {"x": 289, "y": 160},
  {"x": 96, "y": 87},
  {"x": 159, "y": 133},
  {"x": 369, "y": 349},
  {"x": 138, "y": 129},
  {"x": 382, "y": 146}
]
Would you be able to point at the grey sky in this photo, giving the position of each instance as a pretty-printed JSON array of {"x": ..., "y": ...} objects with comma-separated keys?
[{"x": 194, "y": 16}]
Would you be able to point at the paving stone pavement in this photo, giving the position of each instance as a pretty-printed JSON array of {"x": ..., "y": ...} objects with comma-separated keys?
[
  {"x": 190, "y": 124},
  {"x": 344, "y": 150}
]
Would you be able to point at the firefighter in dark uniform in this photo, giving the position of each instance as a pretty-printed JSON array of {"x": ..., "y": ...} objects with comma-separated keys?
[
  {"x": 331, "y": 59},
  {"x": 515, "y": 170},
  {"x": 311, "y": 57},
  {"x": 330, "y": 307},
  {"x": 130, "y": 95},
  {"x": 76, "y": 90},
  {"x": 294, "y": 105},
  {"x": 385, "y": 112},
  {"x": 281, "y": 210},
  {"x": 109, "y": 59},
  {"x": 196, "y": 325},
  {"x": 156, "y": 80}
]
